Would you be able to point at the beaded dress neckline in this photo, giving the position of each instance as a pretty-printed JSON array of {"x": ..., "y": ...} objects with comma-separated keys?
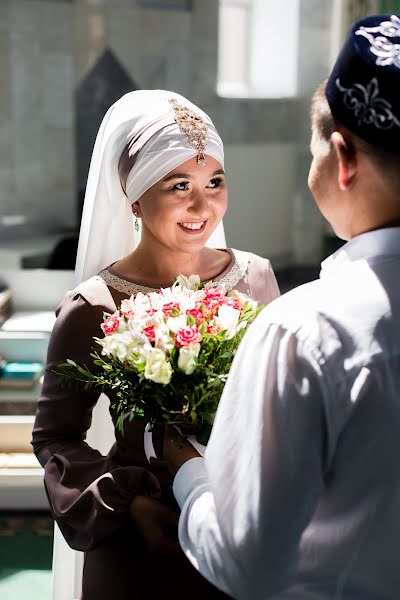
[{"x": 230, "y": 277}]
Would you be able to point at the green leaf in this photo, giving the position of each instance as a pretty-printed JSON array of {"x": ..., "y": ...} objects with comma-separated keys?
[
  {"x": 71, "y": 362},
  {"x": 191, "y": 320},
  {"x": 228, "y": 354}
]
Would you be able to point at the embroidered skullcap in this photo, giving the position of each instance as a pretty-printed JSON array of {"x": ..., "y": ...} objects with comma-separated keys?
[{"x": 363, "y": 88}]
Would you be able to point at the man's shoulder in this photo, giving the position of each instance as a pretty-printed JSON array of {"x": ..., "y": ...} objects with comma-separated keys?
[
  {"x": 299, "y": 302},
  {"x": 306, "y": 312}
]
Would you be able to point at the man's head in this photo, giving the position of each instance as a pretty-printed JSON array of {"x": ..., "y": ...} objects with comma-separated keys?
[{"x": 355, "y": 174}]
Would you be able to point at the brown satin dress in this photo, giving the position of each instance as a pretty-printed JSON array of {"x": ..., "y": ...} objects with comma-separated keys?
[{"x": 89, "y": 494}]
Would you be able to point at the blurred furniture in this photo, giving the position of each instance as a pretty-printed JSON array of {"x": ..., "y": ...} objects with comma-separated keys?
[
  {"x": 36, "y": 293},
  {"x": 24, "y": 336},
  {"x": 27, "y": 252}
]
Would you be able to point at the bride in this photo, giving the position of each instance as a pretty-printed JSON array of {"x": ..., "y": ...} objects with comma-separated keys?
[{"x": 154, "y": 204}]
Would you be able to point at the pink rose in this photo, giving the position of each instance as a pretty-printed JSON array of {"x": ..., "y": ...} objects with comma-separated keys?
[
  {"x": 111, "y": 324},
  {"x": 212, "y": 293},
  {"x": 197, "y": 314},
  {"x": 127, "y": 307},
  {"x": 213, "y": 330},
  {"x": 169, "y": 307},
  {"x": 187, "y": 335},
  {"x": 149, "y": 332},
  {"x": 212, "y": 299},
  {"x": 234, "y": 302}
]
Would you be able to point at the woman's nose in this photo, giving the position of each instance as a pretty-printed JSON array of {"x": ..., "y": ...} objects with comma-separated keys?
[{"x": 199, "y": 202}]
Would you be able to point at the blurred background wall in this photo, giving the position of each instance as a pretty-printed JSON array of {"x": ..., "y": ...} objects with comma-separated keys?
[{"x": 251, "y": 64}]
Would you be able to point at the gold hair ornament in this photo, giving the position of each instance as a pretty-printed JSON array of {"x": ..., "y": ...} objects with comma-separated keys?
[{"x": 193, "y": 127}]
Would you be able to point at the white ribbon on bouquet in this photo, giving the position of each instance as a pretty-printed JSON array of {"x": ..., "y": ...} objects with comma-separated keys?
[{"x": 149, "y": 446}]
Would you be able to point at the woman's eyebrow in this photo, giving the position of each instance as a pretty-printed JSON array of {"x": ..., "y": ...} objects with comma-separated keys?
[
  {"x": 177, "y": 176},
  {"x": 187, "y": 176}
]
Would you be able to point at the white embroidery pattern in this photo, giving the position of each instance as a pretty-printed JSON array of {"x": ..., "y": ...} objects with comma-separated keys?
[
  {"x": 367, "y": 105},
  {"x": 386, "y": 51},
  {"x": 232, "y": 278}
]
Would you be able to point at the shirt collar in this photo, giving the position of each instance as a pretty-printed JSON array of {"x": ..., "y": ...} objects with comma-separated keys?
[{"x": 379, "y": 242}]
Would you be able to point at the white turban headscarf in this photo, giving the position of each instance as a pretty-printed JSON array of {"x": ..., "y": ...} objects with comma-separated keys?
[{"x": 144, "y": 120}]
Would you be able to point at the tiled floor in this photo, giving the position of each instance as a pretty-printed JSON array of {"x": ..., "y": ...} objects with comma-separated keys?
[{"x": 25, "y": 556}]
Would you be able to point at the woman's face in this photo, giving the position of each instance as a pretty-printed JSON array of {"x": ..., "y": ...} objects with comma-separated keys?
[{"x": 181, "y": 211}]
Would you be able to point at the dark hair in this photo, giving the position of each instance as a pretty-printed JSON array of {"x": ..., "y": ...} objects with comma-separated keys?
[
  {"x": 325, "y": 124},
  {"x": 320, "y": 113},
  {"x": 125, "y": 165},
  {"x": 126, "y": 161}
]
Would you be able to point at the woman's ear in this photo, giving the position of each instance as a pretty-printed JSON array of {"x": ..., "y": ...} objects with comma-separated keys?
[
  {"x": 346, "y": 156},
  {"x": 136, "y": 208}
]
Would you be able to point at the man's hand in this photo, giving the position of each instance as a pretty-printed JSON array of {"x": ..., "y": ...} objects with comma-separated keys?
[
  {"x": 157, "y": 524},
  {"x": 177, "y": 450}
]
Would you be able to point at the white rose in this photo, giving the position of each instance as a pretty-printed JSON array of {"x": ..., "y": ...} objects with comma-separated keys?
[
  {"x": 187, "y": 360},
  {"x": 252, "y": 304},
  {"x": 244, "y": 299},
  {"x": 157, "y": 367},
  {"x": 127, "y": 345},
  {"x": 164, "y": 340},
  {"x": 135, "y": 326},
  {"x": 176, "y": 323},
  {"x": 142, "y": 302},
  {"x": 227, "y": 319},
  {"x": 138, "y": 357},
  {"x": 217, "y": 285},
  {"x": 115, "y": 345},
  {"x": 191, "y": 283},
  {"x": 109, "y": 345}
]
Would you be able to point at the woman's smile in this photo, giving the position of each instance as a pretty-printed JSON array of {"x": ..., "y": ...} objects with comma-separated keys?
[{"x": 193, "y": 227}]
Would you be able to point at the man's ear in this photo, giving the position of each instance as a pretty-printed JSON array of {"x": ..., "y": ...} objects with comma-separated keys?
[{"x": 346, "y": 155}]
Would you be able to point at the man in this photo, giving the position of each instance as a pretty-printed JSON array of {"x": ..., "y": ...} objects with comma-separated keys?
[{"x": 298, "y": 496}]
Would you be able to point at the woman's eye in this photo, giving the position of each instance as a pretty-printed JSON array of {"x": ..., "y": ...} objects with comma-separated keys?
[
  {"x": 216, "y": 182},
  {"x": 181, "y": 186}
]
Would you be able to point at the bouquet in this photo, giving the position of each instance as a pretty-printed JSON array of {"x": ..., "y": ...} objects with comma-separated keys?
[{"x": 167, "y": 354}]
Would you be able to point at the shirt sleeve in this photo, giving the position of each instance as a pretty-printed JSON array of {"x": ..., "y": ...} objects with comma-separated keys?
[
  {"x": 247, "y": 503},
  {"x": 89, "y": 494}
]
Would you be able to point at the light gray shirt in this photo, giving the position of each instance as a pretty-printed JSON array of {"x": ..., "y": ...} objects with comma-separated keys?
[{"x": 298, "y": 496}]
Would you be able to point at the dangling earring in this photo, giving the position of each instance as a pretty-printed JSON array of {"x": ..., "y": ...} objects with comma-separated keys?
[{"x": 137, "y": 226}]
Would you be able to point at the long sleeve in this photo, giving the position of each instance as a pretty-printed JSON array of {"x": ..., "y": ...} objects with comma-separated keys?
[
  {"x": 89, "y": 493},
  {"x": 258, "y": 280},
  {"x": 263, "y": 285},
  {"x": 247, "y": 503}
]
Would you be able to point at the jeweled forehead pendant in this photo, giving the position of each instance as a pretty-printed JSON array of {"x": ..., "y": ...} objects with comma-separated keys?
[{"x": 193, "y": 126}]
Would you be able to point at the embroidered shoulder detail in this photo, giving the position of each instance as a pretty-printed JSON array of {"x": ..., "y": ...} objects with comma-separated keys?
[
  {"x": 122, "y": 285},
  {"x": 86, "y": 285},
  {"x": 238, "y": 270},
  {"x": 96, "y": 292},
  {"x": 230, "y": 280}
]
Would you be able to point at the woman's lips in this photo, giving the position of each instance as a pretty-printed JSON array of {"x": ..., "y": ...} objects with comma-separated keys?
[{"x": 193, "y": 228}]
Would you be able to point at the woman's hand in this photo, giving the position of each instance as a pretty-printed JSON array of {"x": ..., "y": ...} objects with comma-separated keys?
[
  {"x": 177, "y": 450},
  {"x": 157, "y": 525}
]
